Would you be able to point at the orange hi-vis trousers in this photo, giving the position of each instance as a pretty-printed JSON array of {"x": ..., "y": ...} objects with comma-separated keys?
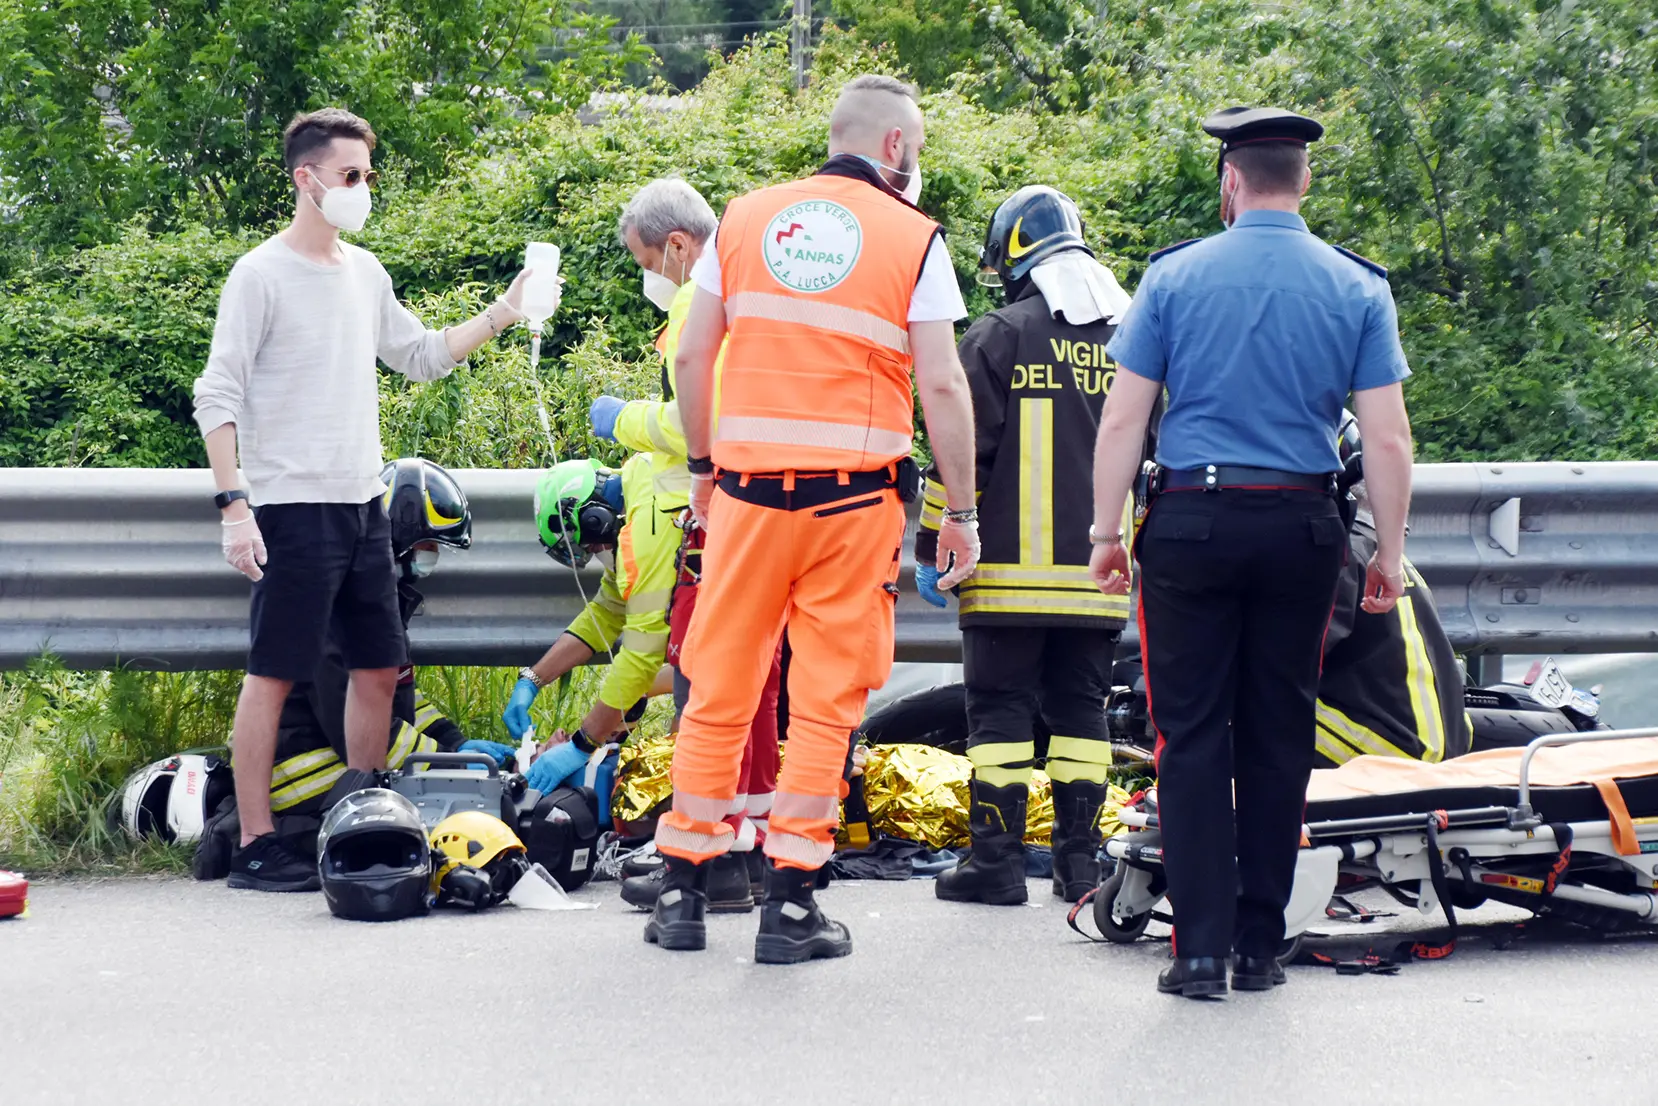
[{"x": 830, "y": 572}]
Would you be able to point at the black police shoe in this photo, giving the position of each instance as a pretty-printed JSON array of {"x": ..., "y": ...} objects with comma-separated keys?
[
  {"x": 728, "y": 887},
  {"x": 676, "y": 922},
  {"x": 792, "y": 928},
  {"x": 266, "y": 864},
  {"x": 1194, "y": 977},
  {"x": 1256, "y": 973}
]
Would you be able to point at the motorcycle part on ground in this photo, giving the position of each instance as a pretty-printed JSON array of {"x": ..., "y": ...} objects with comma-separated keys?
[
  {"x": 561, "y": 833},
  {"x": 424, "y": 503},
  {"x": 476, "y": 860},
  {"x": 172, "y": 799},
  {"x": 373, "y": 857},
  {"x": 14, "y": 894}
]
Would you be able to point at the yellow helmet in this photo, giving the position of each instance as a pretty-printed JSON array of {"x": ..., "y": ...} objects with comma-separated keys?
[{"x": 476, "y": 859}]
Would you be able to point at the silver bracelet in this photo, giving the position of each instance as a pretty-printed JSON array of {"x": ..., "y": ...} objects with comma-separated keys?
[{"x": 529, "y": 674}]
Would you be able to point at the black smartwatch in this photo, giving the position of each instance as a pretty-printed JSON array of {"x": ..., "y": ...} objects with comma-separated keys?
[
  {"x": 699, "y": 466},
  {"x": 581, "y": 741},
  {"x": 225, "y": 499}
]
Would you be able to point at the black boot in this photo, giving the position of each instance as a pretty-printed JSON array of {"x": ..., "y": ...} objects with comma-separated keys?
[
  {"x": 792, "y": 928},
  {"x": 728, "y": 889},
  {"x": 756, "y": 861},
  {"x": 1194, "y": 977},
  {"x": 995, "y": 872},
  {"x": 676, "y": 923},
  {"x": 1076, "y": 839}
]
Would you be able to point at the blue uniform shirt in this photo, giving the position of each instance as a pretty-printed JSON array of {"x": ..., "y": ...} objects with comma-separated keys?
[{"x": 1259, "y": 334}]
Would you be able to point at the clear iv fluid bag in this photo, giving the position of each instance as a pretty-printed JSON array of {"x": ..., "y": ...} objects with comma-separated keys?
[{"x": 541, "y": 290}]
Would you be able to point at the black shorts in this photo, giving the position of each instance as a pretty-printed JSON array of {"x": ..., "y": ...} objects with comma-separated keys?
[{"x": 328, "y": 573}]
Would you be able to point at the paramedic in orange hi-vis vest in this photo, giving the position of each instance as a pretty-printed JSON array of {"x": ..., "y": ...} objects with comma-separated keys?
[{"x": 827, "y": 291}]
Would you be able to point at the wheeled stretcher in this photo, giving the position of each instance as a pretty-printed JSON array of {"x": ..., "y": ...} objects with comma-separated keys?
[{"x": 1567, "y": 826}]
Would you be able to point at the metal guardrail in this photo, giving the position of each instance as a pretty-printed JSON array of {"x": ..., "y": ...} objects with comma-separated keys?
[{"x": 122, "y": 566}]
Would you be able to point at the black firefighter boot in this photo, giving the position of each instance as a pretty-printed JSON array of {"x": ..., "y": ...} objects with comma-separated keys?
[
  {"x": 995, "y": 872},
  {"x": 1076, "y": 839},
  {"x": 676, "y": 921},
  {"x": 792, "y": 928}
]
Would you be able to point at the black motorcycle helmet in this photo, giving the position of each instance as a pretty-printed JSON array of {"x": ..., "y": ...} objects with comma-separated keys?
[
  {"x": 373, "y": 857},
  {"x": 424, "y": 504},
  {"x": 1030, "y": 226}
]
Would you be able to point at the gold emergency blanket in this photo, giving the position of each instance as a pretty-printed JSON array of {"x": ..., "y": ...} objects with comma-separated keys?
[
  {"x": 1559, "y": 766},
  {"x": 642, "y": 777},
  {"x": 921, "y": 794}
]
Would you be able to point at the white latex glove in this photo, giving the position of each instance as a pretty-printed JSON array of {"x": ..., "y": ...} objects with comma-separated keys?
[
  {"x": 958, "y": 552},
  {"x": 702, "y": 495},
  {"x": 244, "y": 547}
]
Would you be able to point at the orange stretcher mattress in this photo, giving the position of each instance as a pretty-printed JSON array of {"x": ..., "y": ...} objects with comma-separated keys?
[{"x": 1567, "y": 782}]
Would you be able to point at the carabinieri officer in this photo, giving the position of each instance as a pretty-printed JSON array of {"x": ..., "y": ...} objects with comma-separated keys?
[{"x": 1259, "y": 335}]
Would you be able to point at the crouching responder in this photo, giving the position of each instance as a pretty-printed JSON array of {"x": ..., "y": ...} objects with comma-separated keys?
[
  {"x": 826, "y": 292},
  {"x": 427, "y": 511},
  {"x": 583, "y": 510},
  {"x": 1390, "y": 685},
  {"x": 1037, "y": 635}
]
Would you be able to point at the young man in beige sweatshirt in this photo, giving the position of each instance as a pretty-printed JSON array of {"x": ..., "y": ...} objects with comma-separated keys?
[{"x": 291, "y": 380}]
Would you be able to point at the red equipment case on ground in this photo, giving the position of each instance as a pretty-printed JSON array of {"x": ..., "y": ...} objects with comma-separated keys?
[{"x": 14, "y": 894}]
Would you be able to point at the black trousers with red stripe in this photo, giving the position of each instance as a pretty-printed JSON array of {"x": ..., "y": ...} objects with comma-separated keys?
[{"x": 1236, "y": 588}]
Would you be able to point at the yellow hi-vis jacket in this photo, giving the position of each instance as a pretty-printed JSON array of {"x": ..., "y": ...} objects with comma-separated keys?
[
  {"x": 653, "y": 426},
  {"x": 631, "y": 608}
]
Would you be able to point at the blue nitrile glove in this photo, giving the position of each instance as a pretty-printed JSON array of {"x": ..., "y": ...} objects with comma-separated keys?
[
  {"x": 494, "y": 750},
  {"x": 603, "y": 415},
  {"x": 926, "y": 582},
  {"x": 517, "y": 714},
  {"x": 552, "y": 767}
]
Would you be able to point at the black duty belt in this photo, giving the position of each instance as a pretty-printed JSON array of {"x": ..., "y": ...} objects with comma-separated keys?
[
  {"x": 809, "y": 489},
  {"x": 1214, "y": 478}
]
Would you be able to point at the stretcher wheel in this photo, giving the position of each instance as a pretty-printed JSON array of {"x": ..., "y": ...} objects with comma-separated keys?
[
  {"x": 1123, "y": 933},
  {"x": 1289, "y": 950}
]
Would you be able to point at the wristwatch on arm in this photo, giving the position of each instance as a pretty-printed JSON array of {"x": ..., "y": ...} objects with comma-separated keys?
[
  {"x": 1096, "y": 538},
  {"x": 225, "y": 499}
]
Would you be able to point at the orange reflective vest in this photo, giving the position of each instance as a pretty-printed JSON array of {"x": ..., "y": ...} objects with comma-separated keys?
[{"x": 817, "y": 278}]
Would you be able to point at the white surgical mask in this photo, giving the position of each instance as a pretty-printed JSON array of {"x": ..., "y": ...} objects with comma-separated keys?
[
  {"x": 423, "y": 562},
  {"x": 912, "y": 179},
  {"x": 345, "y": 208},
  {"x": 660, "y": 288},
  {"x": 607, "y": 558}
]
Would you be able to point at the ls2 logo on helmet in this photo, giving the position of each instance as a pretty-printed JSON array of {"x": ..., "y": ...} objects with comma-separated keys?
[{"x": 812, "y": 246}]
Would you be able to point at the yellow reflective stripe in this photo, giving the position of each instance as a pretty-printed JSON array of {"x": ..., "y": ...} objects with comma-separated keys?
[
  {"x": 1009, "y": 601},
  {"x": 1083, "y": 750},
  {"x": 608, "y": 600},
  {"x": 848, "y": 437},
  {"x": 674, "y": 480},
  {"x": 425, "y": 716},
  {"x": 1419, "y": 678},
  {"x": 998, "y": 754},
  {"x": 1332, "y": 748},
  {"x": 659, "y": 437},
  {"x": 659, "y": 597},
  {"x": 1363, "y": 739},
  {"x": 824, "y": 316},
  {"x": 641, "y": 641},
  {"x": 934, "y": 493},
  {"x": 1036, "y": 464},
  {"x": 301, "y": 764},
  {"x": 310, "y": 787},
  {"x": 402, "y": 745},
  {"x": 1031, "y": 576}
]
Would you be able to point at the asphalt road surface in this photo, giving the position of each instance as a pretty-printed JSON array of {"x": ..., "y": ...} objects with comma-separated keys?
[{"x": 175, "y": 993}]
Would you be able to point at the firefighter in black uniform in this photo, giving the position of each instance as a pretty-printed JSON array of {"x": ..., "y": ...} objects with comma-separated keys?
[
  {"x": 1036, "y": 634},
  {"x": 1391, "y": 685},
  {"x": 427, "y": 509},
  {"x": 1259, "y": 334}
]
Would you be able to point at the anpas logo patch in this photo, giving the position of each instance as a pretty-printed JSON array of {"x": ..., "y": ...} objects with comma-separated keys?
[{"x": 812, "y": 246}]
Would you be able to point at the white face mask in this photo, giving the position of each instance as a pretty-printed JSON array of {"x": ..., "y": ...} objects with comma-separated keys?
[
  {"x": 607, "y": 558},
  {"x": 912, "y": 182},
  {"x": 424, "y": 562},
  {"x": 345, "y": 208},
  {"x": 660, "y": 288}
]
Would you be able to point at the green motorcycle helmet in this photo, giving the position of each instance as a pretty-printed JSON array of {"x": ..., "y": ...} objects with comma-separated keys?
[{"x": 571, "y": 511}]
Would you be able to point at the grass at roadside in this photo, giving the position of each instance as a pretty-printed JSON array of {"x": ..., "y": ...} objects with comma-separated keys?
[{"x": 68, "y": 740}]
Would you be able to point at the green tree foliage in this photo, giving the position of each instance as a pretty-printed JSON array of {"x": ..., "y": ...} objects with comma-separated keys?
[{"x": 114, "y": 107}]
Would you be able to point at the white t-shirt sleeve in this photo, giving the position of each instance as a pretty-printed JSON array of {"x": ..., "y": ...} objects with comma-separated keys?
[
  {"x": 705, "y": 274},
  {"x": 937, "y": 296}
]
